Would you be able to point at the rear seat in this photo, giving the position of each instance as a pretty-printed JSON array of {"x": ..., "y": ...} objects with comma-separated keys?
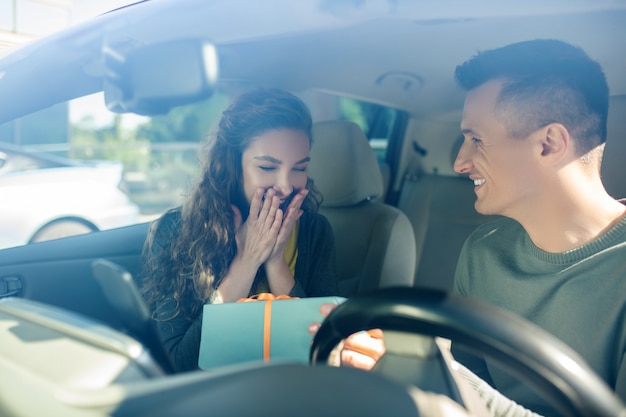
[
  {"x": 441, "y": 208},
  {"x": 613, "y": 162}
]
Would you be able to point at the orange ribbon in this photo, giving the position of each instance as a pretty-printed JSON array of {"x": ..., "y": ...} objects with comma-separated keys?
[
  {"x": 264, "y": 296},
  {"x": 267, "y": 319}
]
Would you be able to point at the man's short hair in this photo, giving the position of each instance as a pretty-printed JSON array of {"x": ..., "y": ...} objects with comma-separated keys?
[{"x": 546, "y": 81}]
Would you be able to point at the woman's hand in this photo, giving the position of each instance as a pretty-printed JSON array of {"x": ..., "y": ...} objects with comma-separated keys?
[
  {"x": 279, "y": 276},
  {"x": 293, "y": 213},
  {"x": 360, "y": 350},
  {"x": 257, "y": 236}
]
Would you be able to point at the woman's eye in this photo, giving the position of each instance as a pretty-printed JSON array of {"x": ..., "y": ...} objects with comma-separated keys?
[
  {"x": 266, "y": 168},
  {"x": 300, "y": 169}
]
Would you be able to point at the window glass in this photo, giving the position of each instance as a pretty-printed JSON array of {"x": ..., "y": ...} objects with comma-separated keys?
[
  {"x": 6, "y": 15},
  {"x": 156, "y": 158},
  {"x": 142, "y": 165},
  {"x": 40, "y": 17},
  {"x": 159, "y": 153}
]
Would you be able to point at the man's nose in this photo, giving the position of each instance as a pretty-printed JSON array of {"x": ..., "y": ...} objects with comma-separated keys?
[{"x": 463, "y": 161}]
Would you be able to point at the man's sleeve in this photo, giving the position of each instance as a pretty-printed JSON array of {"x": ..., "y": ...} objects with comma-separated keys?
[{"x": 461, "y": 274}]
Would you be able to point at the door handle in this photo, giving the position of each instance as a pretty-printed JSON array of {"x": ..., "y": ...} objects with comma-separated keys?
[{"x": 10, "y": 287}]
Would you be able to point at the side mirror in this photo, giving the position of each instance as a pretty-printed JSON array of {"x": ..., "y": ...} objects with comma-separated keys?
[{"x": 153, "y": 79}]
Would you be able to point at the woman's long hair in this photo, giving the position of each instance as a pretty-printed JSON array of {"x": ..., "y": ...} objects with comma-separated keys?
[{"x": 192, "y": 264}]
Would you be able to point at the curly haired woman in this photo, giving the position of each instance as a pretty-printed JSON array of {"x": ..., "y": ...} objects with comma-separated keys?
[{"x": 248, "y": 226}]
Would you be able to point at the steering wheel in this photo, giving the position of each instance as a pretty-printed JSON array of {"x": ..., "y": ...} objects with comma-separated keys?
[{"x": 534, "y": 355}]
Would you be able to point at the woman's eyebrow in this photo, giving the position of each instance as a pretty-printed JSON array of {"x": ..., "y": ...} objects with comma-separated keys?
[
  {"x": 278, "y": 161},
  {"x": 268, "y": 159}
]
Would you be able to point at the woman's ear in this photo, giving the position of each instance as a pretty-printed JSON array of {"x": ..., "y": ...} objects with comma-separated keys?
[{"x": 556, "y": 144}]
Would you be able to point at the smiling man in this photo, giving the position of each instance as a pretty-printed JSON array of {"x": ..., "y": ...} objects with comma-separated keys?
[{"x": 534, "y": 124}]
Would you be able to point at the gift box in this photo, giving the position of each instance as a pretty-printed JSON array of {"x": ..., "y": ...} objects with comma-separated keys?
[{"x": 261, "y": 330}]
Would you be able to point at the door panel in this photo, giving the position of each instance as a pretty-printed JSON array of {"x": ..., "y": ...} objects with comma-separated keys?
[{"x": 58, "y": 272}]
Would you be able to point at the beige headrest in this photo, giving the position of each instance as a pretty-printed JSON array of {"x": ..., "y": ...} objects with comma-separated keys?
[
  {"x": 343, "y": 164},
  {"x": 615, "y": 150}
]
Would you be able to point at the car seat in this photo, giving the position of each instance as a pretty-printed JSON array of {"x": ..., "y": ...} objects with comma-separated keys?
[
  {"x": 613, "y": 159},
  {"x": 441, "y": 210},
  {"x": 374, "y": 241}
]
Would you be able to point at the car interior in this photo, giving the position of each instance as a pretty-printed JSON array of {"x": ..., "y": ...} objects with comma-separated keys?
[
  {"x": 80, "y": 339},
  {"x": 71, "y": 288}
]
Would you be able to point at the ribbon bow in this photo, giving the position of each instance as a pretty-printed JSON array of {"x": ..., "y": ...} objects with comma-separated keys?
[{"x": 265, "y": 296}]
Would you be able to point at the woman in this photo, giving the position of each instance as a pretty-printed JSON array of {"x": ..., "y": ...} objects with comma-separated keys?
[{"x": 249, "y": 225}]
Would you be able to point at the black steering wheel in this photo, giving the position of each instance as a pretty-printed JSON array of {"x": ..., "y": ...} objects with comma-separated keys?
[{"x": 530, "y": 352}]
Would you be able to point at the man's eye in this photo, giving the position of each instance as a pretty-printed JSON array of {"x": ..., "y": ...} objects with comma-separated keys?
[{"x": 476, "y": 141}]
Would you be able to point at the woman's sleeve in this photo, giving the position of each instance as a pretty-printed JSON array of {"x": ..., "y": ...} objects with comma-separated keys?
[
  {"x": 181, "y": 339},
  {"x": 180, "y": 336},
  {"x": 160, "y": 233}
]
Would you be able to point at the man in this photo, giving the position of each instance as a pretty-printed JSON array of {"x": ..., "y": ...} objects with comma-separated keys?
[{"x": 534, "y": 126}]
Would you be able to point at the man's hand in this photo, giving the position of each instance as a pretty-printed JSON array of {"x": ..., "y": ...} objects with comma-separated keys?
[{"x": 361, "y": 350}]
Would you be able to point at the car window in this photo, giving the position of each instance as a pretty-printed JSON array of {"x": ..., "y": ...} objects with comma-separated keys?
[
  {"x": 159, "y": 153},
  {"x": 376, "y": 121},
  {"x": 103, "y": 169},
  {"x": 156, "y": 156}
]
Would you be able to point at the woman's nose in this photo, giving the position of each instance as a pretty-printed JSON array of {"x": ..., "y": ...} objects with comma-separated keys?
[{"x": 283, "y": 185}]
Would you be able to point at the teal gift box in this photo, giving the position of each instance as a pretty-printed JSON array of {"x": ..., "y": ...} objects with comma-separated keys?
[{"x": 234, "y": 333}]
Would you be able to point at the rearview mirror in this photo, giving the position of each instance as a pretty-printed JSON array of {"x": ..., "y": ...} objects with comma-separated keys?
[{"x": 153, "y": 79}]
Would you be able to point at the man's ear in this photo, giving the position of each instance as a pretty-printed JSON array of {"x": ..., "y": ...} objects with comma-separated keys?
[{"x": 556, "y": 144}]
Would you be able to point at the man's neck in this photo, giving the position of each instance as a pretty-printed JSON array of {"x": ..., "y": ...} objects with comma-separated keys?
[{"x": 566, "y": 220}]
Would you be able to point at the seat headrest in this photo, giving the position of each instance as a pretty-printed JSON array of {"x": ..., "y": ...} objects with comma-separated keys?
[
  {"x": 343, "y": 164},
  {"x": 615, "y": 150}
]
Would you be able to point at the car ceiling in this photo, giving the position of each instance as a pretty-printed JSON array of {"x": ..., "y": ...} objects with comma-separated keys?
[
  {"x": 390, "y": 52},
  {"x": 397, "y": 62}
]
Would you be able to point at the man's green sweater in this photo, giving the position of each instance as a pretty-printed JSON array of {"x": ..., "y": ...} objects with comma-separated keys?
[{"x": 579, "y": 296}]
